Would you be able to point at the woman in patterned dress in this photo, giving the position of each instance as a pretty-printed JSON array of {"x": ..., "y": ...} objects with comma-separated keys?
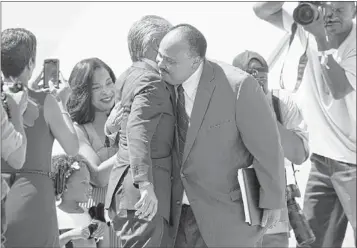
[{"x": 90, "y": 103}]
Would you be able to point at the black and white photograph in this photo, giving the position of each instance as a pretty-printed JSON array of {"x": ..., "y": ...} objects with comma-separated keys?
[{"x": 183, "y": 124}]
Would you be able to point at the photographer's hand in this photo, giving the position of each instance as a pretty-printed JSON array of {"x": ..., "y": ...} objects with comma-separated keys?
[
  {"x": 317, "y": 29},
  {"x": 270, "y": 217}
]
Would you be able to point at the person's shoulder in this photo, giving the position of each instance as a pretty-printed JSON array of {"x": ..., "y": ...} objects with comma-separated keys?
[
  {"x": 138, "y": 70},
  {"x": 138, "y": 75},
  {"x": 234, "y": 75}
]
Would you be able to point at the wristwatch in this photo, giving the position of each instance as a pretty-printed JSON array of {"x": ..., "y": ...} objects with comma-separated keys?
[
  {"x": 144, "y": 184},
  {"x": 324, "y": 56},
  {"x": 327, "y": 52}
]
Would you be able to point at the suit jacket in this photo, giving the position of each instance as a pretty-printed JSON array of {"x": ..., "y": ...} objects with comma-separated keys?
[
  {"x": 231, "y": 122},
  {"x": 146, "y": 139}
]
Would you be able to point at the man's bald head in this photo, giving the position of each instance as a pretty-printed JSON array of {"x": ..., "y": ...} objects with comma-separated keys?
[
  {"x": 181, "y": 52},
  {"x": 192, "y": 36}
]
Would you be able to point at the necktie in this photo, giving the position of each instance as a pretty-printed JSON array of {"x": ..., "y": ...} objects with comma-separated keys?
[{"x": 182, "y": 120}]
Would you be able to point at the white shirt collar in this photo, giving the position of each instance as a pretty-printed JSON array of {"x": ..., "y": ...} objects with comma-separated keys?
[
  {"x": 150, "y": 62},
  {"x": 191, "y": 84}
]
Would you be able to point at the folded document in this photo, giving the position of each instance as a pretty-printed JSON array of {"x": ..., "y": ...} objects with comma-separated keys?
[{"x": 250, "y": 189}]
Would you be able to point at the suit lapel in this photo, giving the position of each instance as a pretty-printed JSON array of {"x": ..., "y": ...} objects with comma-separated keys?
[{"x": 205, "y": 89}]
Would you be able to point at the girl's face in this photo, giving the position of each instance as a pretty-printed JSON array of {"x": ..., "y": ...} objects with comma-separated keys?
[
  {"x": 103, "y": 90},
  {"x": 78, "y": 186}
]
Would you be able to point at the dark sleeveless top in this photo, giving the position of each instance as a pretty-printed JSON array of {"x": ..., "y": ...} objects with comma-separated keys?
[{"x": 30, "y": 204}]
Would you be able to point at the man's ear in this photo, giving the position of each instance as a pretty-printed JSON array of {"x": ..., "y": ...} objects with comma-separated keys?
[
  {"x": 196, "y": 62},
  {"x": 31, "y": 65}
]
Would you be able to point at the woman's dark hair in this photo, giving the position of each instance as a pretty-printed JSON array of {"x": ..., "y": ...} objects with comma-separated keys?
[{"x": 81, "y": 80}]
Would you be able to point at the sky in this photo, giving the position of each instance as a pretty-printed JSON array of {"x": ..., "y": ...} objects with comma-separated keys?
[{"x": 72, "y": 31}]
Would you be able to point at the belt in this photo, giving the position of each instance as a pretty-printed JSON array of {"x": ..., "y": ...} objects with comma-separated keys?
[{"x": 51, "y": 175}]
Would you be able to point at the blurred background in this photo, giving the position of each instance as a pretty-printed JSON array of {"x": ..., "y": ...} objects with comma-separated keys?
[{"x": 72, "y": 31}]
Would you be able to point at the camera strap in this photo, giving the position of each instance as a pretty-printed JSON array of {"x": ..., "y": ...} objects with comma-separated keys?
[{"x": 302, "y": 61}]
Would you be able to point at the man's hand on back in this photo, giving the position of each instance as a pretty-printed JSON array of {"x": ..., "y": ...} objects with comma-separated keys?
[{"x": 146, "y": 207}]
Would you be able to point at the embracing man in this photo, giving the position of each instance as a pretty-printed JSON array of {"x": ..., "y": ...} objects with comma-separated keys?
[
  {"x": 138, "y": 196},
  {"x": 223, "y": 123}
]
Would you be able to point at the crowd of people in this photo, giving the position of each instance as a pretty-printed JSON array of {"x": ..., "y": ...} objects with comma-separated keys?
[{"x": 150, "y": 158}]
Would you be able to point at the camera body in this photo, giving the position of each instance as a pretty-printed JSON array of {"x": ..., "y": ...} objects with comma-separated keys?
[
  {"x": 306, "y": 12},
  {"x": 302, "y": 230}
]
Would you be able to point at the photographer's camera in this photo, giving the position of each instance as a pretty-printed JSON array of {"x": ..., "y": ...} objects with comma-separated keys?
[
  {"x": 302, "y": 230},
  {"x": 306, "y": 12}
]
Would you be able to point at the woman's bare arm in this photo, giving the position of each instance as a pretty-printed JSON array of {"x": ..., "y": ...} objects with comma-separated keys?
[
  {"x": 61, "y": 125},
  {"x": 99, "y": 171}
]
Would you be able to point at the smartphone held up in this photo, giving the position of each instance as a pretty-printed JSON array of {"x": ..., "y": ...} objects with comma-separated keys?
[{"x": 50, "y": 72}]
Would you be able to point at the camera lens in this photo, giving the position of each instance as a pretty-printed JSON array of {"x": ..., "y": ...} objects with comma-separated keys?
[{"x": 304, "y": 14}]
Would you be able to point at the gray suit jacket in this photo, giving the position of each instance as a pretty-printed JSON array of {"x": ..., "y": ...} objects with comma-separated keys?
[
  {"x": 231, "y": 123},
  {"x": 146, "y": 139}
]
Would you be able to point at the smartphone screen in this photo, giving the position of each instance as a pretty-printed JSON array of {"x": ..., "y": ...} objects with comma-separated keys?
[{"x": 50, "y": 72}]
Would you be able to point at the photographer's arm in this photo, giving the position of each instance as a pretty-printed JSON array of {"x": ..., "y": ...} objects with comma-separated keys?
[
  {"x": 293, "y": 145},
  {"x": 293, "y": 132},
  {"x": 271, "y": 12}
]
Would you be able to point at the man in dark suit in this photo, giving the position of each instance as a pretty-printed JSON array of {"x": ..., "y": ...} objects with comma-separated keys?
[
  {"x": 138, "y": 196},
  {"x": 224, "y": 121}
]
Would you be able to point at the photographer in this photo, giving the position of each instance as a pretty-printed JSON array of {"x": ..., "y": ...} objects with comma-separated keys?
[
  {"x": 293, "y": 134},
  {"x": 328, "y": 33},
  {"x": 31, "y": 198}
]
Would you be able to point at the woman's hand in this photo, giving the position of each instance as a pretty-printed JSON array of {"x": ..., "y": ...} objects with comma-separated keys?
[
  {"x": 20, "y": 97},
  {"x": 63, "y": 91},
  {"x": 14, "y": 107}
]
